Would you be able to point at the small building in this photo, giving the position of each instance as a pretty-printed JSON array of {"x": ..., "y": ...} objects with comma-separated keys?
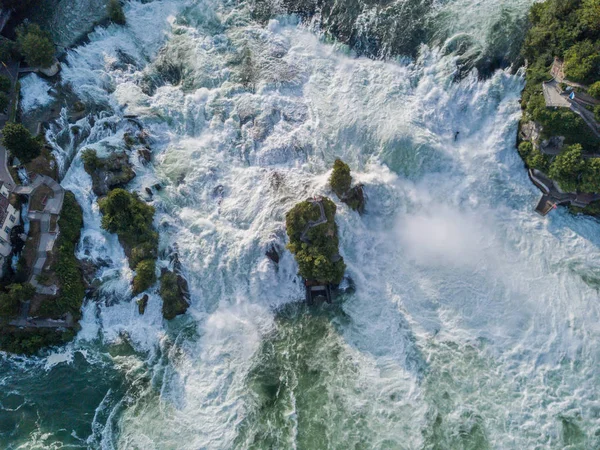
[
  {"x": 316, "y": 292},
  {"x": 9, "y": 217}
]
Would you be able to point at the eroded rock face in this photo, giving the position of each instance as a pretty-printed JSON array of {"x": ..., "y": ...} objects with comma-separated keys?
[
  {"x": 273, "y": 253},
  {"x": 111, "y": 172}
]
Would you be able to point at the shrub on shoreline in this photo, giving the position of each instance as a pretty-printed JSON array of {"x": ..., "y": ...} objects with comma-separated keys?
[
  {"x": 19, "y": 141},
  {"x": 35, "y": 45}
]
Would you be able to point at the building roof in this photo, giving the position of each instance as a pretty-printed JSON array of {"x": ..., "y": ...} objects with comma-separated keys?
[{"x": 3, "y": 208}]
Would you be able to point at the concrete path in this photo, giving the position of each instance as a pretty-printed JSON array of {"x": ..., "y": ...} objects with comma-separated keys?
[
  {"x": 558, "y": 73},
  {"x": 312, "y": 223},
  {"x": 552, "y": 95},
  {"x": 587, "y": 116},
  {"x": 47, "y": 238},
  {"x": 553, "y": 195},
  {"x": 5, "y": 175}
]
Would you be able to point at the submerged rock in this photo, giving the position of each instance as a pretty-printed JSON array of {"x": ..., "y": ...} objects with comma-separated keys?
[
  {"x": 273, "y": 253},
  {"x": 145, "y": 155}
]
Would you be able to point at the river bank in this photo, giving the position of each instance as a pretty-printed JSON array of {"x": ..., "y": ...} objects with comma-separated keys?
[{"x": 559, "y": 135}]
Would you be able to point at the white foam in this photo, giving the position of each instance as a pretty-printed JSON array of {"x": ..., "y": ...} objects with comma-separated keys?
[{"x": 35, "y": 93}]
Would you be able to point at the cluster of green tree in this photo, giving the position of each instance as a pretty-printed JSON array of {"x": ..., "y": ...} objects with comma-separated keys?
[
  {"x": 569, "y": 30},
  {"x": 66, "y": 266},
  {"x": 20, "y": 142},
  {"x": 318, "y": 259},
  {"x": 29, "y": 342},
  {"x": 115, "y": 12},
  {"x": 533, "y": 157},
  {"x": 5, "y": 89},
  {"x": 35, "y": 45},
  {"x": 573, "y": 172},
  {"x": 174, "y": 302},
  {"x": 341, "y": 183},
  {"x": 11, "y": 299},
  {"x": 131, "y": 219}
]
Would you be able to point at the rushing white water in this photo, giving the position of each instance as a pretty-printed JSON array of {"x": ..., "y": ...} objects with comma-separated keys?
[
  {"x": 473, "y": 323},
  {"x": 35, "y": 93}
]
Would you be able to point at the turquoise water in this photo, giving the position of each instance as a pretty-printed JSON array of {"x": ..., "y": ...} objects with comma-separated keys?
[{"x": 472, "y": 322}]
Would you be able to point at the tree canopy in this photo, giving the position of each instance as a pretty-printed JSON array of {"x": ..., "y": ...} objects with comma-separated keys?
[
  {"x": 317, "y": 259},
  {"x": 19, "y": 141},
  {"x": 35, "y": 45}
]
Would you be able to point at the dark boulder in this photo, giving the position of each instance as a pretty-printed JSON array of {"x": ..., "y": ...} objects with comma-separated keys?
[
  {"x": 273, "y": 253},
  {"x": 142, "y": 303},
  {"x": 175, "y": 294}
]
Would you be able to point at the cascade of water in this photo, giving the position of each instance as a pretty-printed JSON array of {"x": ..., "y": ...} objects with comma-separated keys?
[{"x": 468, "y": 312}]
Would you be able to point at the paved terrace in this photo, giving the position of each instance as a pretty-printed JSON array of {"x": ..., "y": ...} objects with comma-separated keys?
[
  {"x": 47, "y": 238},
  {"x": 553, "y": 195}
]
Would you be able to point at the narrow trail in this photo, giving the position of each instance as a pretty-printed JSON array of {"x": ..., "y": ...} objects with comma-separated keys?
[
  {"x": 312, "y": 223},
  {"x": 47, "y": 238}
]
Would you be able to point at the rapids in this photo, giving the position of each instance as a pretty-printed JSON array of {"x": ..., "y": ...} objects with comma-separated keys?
[{"x": 472, "y": 324}]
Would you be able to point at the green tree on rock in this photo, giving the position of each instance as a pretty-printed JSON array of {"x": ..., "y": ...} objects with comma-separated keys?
[
  {"x": 340, "y": 179},
  {"x": 317, "y": 254},
  {"x": 582, "y": 61},
  {"x": 127, "y": 215},
  {"x": 567, "y": 167},
  {"x": 19, "y": 141},
  {"x": 36, "y": 46},
  {"x": 145, "y": 275},
  {"x": 115, "y": 12}
]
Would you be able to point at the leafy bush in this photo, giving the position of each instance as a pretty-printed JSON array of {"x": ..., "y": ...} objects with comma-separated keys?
[
  {"x": 533, "y": 157},
  {"x": 19, "y": 141},
  {"x": 589, "y": 15},
  {"x": 582, "y": 61},
  {"x": 90, "y": 160},
  {"x": 597, "y": 112},
  {"x": 35, "y": 45},
  {"x": 567, "y": 166},
  {"x": 29, "y": 342},
  {"x": 8, "y": 50},
  {"x": 319, "y": 259},
  {"x": 146, "y": 250},
  {"x": 594, "y": 90},
  {"x": 66, "y": 267},
  {"x": 127, "y": 215},
  {"x": 115, "y": 12},
  {"x": 4, "y": 101},
  {"x": 16, "y": 293},
  {"x": 340, "y": 179},
  {"x": 5, "y": 83},
  {"x": 174, "y": 302},
  {"x": 145, "y": 275}
]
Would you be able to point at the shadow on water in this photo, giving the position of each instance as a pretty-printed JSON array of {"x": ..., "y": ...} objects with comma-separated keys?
[{"x": 307, "y": 387}]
